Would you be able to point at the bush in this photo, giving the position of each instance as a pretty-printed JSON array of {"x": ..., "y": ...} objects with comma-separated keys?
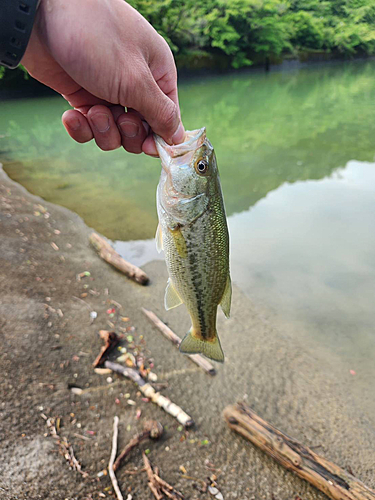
[{"x": 242, "y": 32}]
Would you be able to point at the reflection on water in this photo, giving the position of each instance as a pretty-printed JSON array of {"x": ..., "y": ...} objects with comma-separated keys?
[
  {"x": 266, "y": 129},
  {"x": 301, "y": 213},
  {"x": 307, "y": 251}
]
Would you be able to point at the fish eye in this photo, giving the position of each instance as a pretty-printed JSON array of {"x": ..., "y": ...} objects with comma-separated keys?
[{"x": 201, "y": 167}]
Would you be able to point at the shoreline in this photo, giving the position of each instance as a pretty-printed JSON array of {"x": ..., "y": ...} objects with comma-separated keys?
[
  {"x": 285, "y": 383},
  {"x": 20, "y": 88}
]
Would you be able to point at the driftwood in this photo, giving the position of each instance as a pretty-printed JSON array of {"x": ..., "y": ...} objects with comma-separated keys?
[
  {"x": 107, "y": 253},
  {"x": 111, "y": 339},
  {"x": 335, "y": 482},
  {"x": 170, "y": 335},
  {"x": 111, "y": 471},
  {"x": 149, "y": 392},
  {"x": 152, "y": 429}
]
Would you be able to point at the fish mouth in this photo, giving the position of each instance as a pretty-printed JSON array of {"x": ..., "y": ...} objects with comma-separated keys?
[
  {"x": 178, "y": 154},
  {"x": 193, "y": 140}
]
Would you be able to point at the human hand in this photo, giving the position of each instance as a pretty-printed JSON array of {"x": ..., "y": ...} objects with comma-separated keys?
[{"x": 103, "y": 56}]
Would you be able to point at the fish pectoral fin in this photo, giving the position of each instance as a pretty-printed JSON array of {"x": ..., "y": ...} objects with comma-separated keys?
[
  {"x": 171, "y": 297},
  {"x": 195, "y": 345},
  {"x": 159, "y": 239},
  {"x": 227, "y": 297},
  {"x": 179, "y": 240}
]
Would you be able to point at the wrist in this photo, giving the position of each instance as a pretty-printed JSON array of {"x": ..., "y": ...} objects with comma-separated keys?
[{"x": 16, "y": 23}]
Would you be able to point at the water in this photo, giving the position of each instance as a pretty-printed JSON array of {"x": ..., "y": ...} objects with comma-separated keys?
[{"x": 295, "y": 152}]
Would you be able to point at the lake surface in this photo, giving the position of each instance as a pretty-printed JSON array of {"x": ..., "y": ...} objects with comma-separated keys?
[{"x": 295, "y": 152}]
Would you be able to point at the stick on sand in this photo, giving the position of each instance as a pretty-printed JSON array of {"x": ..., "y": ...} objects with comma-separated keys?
[
  {"x": 112, "y": 474},
  {"x": 107, "y": 253},
  {"x": 170, "y": 335},
  {"x": 335, "y": 482},
  {"x": 149, "y": 392}
]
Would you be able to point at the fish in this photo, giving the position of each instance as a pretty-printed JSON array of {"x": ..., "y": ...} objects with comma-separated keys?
[{"x": 193, "y": 233}]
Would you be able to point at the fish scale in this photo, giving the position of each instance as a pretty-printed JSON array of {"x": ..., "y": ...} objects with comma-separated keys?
[{"x": 194, "y": 235}]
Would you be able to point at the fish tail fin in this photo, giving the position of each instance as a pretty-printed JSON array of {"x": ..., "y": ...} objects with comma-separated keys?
[{"x": 191, "y": 344}]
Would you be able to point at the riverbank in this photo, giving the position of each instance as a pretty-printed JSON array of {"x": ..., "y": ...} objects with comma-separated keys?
[
  {"x": 15, "y": 86},
  {"x": 43, "y": 249}
]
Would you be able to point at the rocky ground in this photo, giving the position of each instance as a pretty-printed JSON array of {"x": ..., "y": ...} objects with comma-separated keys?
[{"x": 51, "y": 282}]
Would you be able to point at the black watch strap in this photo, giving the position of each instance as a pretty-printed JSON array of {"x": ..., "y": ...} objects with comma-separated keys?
[{"x": 16, "y": 22}]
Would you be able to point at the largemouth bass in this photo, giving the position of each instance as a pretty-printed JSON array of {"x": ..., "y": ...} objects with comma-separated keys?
[{"x": 193, "y": 233}]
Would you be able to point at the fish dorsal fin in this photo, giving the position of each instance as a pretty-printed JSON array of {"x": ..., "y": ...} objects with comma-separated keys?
[
  {"x": 171, "y": 297},
  {"x": 159, "y": 239},
  {"x": 227, "y": 297}
]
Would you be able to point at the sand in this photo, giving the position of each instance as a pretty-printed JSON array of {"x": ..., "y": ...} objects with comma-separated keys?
[{"x": 45, "y": 352}]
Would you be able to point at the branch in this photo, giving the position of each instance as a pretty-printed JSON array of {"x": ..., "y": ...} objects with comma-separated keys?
[
  {"x": 152, "y": 429},
  {"x": 107, "y": 253},
  {"x": 150, "y": 393},
  {"x": 335, "y": 482}
]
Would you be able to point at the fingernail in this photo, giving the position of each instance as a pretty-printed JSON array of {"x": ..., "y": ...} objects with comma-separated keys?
[
  {"x": 101, "y": 122},
  {"x": 73, "y": 123},
  {"x": 129, "y": 129},
  {"x": 179, "y": 135}
]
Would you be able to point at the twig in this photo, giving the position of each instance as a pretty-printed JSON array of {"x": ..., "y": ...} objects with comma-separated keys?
[
  {"x": 167, "y": 487},
  {"x": 81, "y": 437},
  {"x": 83, "y": 302},
  {"x": 150, "y": 472},
  {"x": 335, "y": 482},
  {"x": 64, "y": 447},
  {"x": 170, "y": 335},
  {"x": 155, "y": 491},
  {"x": 197, "y": 480},
  {"x": 111, "y": 340},
  {"x": 152, "y": 430},
  {"x": 133, "y": 472},
  {"x": 76, "y": 464},
  {"x": 112, "y": 474},
  {"x": 150, "y": 393},
  {"x": 157, "y": 485},
  {"x": 152, "y": 483},
  {"x": 107, "y": 253}
]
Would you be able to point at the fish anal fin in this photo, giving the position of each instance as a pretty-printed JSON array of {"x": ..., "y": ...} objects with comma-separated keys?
[
  {"x": 171, "y": 297},
  {"x": 227, "y": 297},
  {"x": 192, "y": 344},
  {"x": 159, "y": 239}
]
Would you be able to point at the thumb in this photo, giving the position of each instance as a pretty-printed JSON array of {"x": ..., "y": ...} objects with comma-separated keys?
[{"x": 158, "y": 110}]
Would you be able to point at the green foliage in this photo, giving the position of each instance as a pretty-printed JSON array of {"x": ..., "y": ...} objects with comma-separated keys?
[
  {"x": 243, "y": 32},
  {"x": 242, "y": 28},
  {"x": 248, "y": 31},
  {"x": 8, "y": 72}
]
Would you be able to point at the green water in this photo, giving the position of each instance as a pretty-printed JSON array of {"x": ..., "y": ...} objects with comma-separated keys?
[
  {"x": 295, "y": 152},
  {"x": 266, "y": 128}
]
